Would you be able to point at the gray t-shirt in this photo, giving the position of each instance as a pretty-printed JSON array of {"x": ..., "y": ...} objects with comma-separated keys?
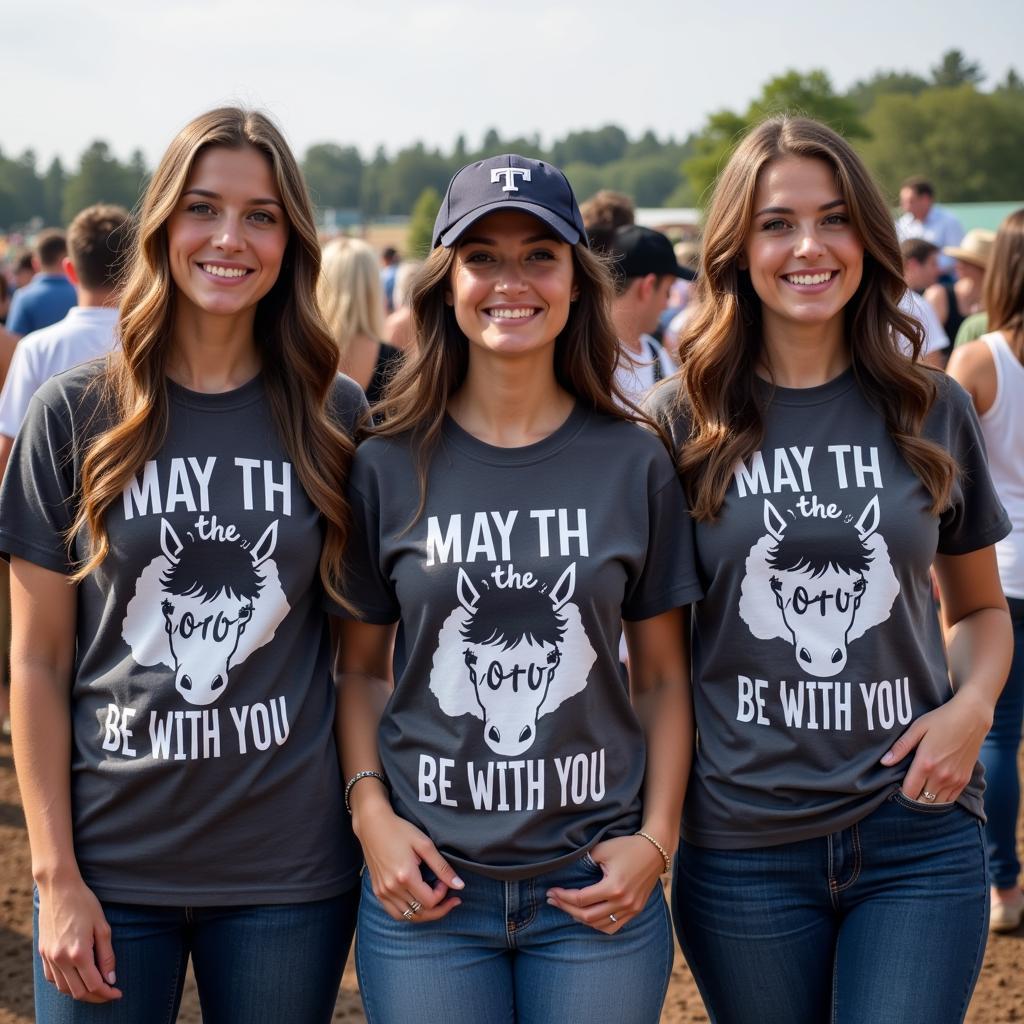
[
  {"x": 818, "y": 640},
  {"x": 510, "y": 738},
  {"x": 203, "y": 764}
]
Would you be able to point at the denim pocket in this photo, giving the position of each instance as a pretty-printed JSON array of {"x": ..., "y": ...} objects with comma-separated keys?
[{"x": 922, "y": 806}]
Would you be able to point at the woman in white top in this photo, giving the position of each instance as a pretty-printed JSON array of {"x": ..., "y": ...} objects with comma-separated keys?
[{"x": 991, "y": 370}]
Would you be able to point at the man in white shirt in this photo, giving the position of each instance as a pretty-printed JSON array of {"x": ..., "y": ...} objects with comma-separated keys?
[
  {"x": 96, "y": 243},
  {"x": 645, "y": 268},
  {"x": 924, "y": 218}
]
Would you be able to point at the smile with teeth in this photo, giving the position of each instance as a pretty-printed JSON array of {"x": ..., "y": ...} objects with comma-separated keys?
[
  {"x": 212, "y": 268},
  {"x": 821, "y": 278},
  {"x": 518, "y": 313}
]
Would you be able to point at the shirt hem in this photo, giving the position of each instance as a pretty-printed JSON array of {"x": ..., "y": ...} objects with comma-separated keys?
[
  {"x": 983, "y": 539},
  {"x": 16, "y": 547},
  {"x": 677, "y": 597}
]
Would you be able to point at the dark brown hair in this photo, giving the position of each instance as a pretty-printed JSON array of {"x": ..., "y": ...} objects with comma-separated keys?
[
  {"x": 98, "y": 240},
  {"x": 722, "y": 343}
]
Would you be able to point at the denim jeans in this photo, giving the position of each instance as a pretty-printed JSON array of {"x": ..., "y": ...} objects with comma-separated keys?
[
  {"x": 883, "y": 921},
  {"x": 506, "y": 956},
  {"x": 253, "y": 964},
  {"x": 999, "y": 756}
]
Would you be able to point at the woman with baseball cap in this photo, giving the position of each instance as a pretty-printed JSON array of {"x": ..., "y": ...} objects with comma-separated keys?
[{"x": 516, "y": 808}]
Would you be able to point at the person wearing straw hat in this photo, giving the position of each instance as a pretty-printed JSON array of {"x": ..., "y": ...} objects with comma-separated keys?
[{"x": 953, "y": 303}]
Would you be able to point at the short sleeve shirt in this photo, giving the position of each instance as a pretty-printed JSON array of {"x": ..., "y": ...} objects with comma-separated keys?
[
  {"x": 43, "y": 301},
  {"x": 818, "y": 640},
  {"x": 510, "y": 737},
  {"x": 203, "y": 764}
]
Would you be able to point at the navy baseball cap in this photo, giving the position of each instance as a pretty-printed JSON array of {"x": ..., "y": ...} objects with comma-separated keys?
[
  {"x": 638, "y": 251},
  {"x": 509, "y": 182}
]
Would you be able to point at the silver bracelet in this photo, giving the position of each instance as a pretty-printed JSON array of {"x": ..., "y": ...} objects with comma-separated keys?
[{"x": 355, "y": 778}]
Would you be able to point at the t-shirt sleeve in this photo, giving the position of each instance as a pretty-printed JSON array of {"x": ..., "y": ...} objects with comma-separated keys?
[
  {"x": 37, "y": 498},
  {"x": 364, "y": 582},
  {"x": 668, "y": 578},
  {"x": 976, "y": 517},
  {"x": 346, "y": 403},
  {"x": 19, "y": 320},
  {"x": 18, "y": 390}
]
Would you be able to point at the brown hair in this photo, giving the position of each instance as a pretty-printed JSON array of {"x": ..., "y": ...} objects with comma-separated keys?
[
  {"x": 921, "y": 186},
  {"x": 50, "y": 247},
  {"x": 918, "y": 249},
  {"x": 98, "y": 240},
  {"x": 586, "y": 355},
  {"x": 1004, "y": 282},
  {"x": 722, "y": 343},
  {"x": 299, "y": 360}
]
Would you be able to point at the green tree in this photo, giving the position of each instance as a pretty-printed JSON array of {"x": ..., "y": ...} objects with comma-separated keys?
[
  {"x": 100, "y": 178},
  {"x": 54, "y": 183},
  {"x": 955, "y": 69},
  {"x": 864, "y": 93},
  {"x": 591, "y": 147},
  {"x": 969, "y": 143},
  {"x": 1012, "y": 83},
  {"x": 334, "y": 175},
  {"x": 712, "y": 148},
  {"x": 21, "y": 183},
  {"x": 421, "y": 224}
]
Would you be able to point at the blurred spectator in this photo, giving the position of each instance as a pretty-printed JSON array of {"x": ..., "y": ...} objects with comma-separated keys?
[
  {"x": 954, "y": 302},
  {"x": 49, "y": 295},
  {"x": 398, "y": 328},
  {"x": 388, "y": 269},
  {"x": 603, "y": 213},
  {"x": 351, "y": 298},
  {"x": 924, "y": 218},
  {"x": 645, "y": 269},
  {"x": 920, "y": 264},
  {"x": 24, "y": 271}
]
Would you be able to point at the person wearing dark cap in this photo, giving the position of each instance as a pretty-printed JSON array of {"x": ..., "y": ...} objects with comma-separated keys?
[
  {"x": 645, "y": 268},
  {"x": 515, "y": 809}
]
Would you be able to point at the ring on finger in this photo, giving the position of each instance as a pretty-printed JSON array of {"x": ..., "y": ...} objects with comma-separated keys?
[
  {"x": 408, "y": 913},
  {"x": 613, "y": 919},
  {"x": 415, "y": 906},
  {"x": 928, "y": 797}
]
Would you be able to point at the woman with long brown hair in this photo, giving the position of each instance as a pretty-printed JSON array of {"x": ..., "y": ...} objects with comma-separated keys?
[
  {"x": 174, "y": 521},
  {"x": 991, "y": 371},
  {"x": 831, "y": 865},
  {"x": 515, "y": 808}
]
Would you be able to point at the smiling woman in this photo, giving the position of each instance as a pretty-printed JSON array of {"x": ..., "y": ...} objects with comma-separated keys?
[
  {"x": 522, "y": 764},
  {"x": 836, "y": 795},
  {"x": 175, "y": 520}
]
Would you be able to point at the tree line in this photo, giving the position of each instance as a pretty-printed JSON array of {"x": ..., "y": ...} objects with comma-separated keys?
[{"x": 969, "y": 140}]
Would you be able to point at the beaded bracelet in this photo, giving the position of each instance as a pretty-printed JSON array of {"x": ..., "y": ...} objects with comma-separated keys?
[
  {"x": 365, "y": 775},
  {"x": 661, "y": 849}
]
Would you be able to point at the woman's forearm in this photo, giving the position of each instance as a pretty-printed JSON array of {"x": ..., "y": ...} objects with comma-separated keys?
[{"x": 979, "y": 648}]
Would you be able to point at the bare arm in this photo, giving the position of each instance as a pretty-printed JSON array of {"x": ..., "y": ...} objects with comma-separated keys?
[
  {"x": 972, "y": 366},
  {"x": 632, "y": 865},
  {"x": 393, "y": 848},
  {"x": 6, "y": 444},
  {"x": 979, "y": 641},
  {"x": 74, "y": 939}
]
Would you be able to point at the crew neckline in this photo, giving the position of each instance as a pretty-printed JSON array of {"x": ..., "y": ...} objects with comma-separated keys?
[
  {"x": 776, "y": 394},
  {"x": 246, "y": 394},
  {"x": 521, "y": 456}
]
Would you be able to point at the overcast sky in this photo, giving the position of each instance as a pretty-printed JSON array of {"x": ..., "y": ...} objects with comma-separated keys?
[{"x": 393, "y": 71}]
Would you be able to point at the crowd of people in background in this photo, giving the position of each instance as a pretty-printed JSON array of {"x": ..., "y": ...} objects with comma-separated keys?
[{"x": 391, "y": 328}]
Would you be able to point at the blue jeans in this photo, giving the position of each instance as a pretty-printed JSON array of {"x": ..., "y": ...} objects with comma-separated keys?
[
  {"x": 884, "y": 921},
  {"x": 999, "y": 756},
  {"x": 253, "y": 964},
  {"x": 506, "y": 956}
]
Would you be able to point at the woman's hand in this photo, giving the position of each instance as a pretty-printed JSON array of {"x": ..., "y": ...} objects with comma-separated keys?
[
  {"x": 632, "y": 867},
  {"x": 394, "y": 850},
  {"x": 945, "y": 743},
  {"x": 74, "y": 943}
]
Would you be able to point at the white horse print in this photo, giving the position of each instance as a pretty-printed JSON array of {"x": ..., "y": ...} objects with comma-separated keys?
[
  {"x": 509, "y": 656},
  {"x": 819, "y": 584},
  {"x": 203, "y": 606}
]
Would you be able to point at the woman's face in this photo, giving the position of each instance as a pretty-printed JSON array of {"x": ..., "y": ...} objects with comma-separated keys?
[
  {"x": 511, "y": 283},
  {"x": 227, "y": 236},
  {"x": 804, "y": 257}
]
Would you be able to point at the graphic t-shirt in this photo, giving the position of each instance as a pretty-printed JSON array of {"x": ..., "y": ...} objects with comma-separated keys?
[
  {"x": 818, "y": 641},
  {"x": 510, "y": 738},
  {"x": 203, "y": 765}
]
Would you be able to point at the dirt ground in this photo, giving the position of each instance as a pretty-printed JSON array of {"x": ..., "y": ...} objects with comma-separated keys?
[{"x": 998, "y": 998}]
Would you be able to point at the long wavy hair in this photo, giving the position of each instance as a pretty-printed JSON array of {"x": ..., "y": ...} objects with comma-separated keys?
[
  {"x": 350, "y": 293},
  {"x": 299, "y": 360},
  {"x": 722, "y": 344},
  {"x": 586, "y": 355},
  {"x": 1004, "y": 282}
]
